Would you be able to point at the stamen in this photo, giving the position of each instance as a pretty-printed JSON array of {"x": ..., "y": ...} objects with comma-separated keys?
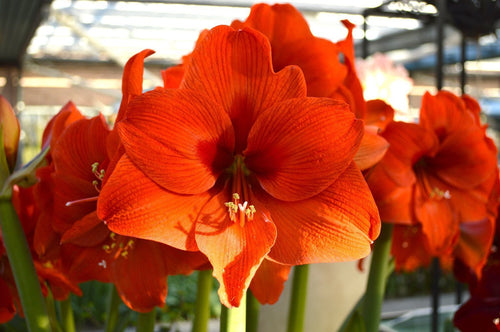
[
  {"x": 239, "y": 212},
  {"x": 83, "y": 200},
  {"x": 119, "y": 247},
  {"x": 99, "y": 174},
  {"x": 438, "y": 193}
]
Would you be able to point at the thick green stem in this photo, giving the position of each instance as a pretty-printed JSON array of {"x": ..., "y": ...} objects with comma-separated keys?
[
  {"x": 113, "y": 309},
  {"x": 296, "y": 313},
  {"x": 67, "y": 318},
  {"x": 253, "y": 309},
  {"x": 234, "y": 319},
  {"x": 202, "y": 306},
  {"x": 28, "y": 285},
  {"x": 146, "y": 321},
  {"x": 375, "y": 288}
]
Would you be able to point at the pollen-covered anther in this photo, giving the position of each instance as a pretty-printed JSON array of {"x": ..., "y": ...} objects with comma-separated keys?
[
  {"x": 439, "y": 194},
  {"x": 250, "y": 211},
  {"x": 99, "y": 174},
  {"x": 119, "y": 246},
  {"x": 239, "y": 212}
]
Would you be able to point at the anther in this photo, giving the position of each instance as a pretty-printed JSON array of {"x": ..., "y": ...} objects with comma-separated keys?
[{"x": 239, "y": 212}]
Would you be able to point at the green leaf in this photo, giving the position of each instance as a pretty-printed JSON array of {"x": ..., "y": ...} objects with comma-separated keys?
[
  {"x": 25, "y": 176},
  {"x": 355, "y": 323}
]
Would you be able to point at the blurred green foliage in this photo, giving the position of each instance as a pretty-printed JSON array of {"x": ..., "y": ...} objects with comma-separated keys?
[
  {"x": 403, "y": 284},
  {"x": 91, "y": 308}
]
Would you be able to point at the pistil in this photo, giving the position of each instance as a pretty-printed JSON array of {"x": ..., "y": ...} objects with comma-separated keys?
[{"x": 239, "y": 209}]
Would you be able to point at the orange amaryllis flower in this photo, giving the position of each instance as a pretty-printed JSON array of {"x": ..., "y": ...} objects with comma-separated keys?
[
  {"x": 292, "y": 43},
  {"x": 239, "y": 164},
  {"x": 89, "y": 251},
  {"x": 436, "y": 178}
]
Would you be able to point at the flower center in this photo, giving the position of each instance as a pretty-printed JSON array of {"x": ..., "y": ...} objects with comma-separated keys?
[
  {"x": 239, "y": 212},
  {"x": 239, "y": 209},
  {"x": 118, "y": 246},
  {"x": 99, "y": 175},
  {"x": 433, "y": 192}
]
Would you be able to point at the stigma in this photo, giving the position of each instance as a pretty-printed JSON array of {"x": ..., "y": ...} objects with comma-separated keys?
[{"x": 240, "y": 212}]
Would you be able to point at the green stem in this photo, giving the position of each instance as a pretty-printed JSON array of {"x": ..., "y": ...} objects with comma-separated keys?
[
  {"x": 375, "y": 288},
  {"x": 296, "y": 313},
  {"x": 67, "y": 318},
  {"x": 51, "y": 310},
  {"x": 253, "y": 308},
  {"x": 146, "y": 321},
  {"x": 23, "y": 269},
  {"x": 202, "y": 305},
  {"x": 234, "y": 319},
  {"x": 113, "y": 309}
]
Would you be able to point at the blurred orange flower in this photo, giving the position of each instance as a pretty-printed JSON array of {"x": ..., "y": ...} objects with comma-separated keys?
[{"x": 436, "y": 178}]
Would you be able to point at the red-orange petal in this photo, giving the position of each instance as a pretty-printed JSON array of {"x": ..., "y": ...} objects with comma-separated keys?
[
  {"x": 465, "y": 159},
  {"x": 178, "y": 138},
  {"x": 85, "y": 264},
  {"x": 474, "y": 243},
  {"x": 87, "y": 232},
  {"x": 409, "y": 248},
  {"x": 352, "y": 81},
  {"x": 393, "y": 201},
  {"x": 172, "y": 76},
  {"x": 138, "y": 207},
  {"x": 378, "y": 113},
  {"x": 372, "y": 148},
  {"x": 67, "y": 115},
  {"x": 295, "y": 155},
  {"x": 74, "y": 153},
  {"x": 234, "y": 70},
  {"x": 132, "y": 80},
  {"x": 269, "y": 281},
  {"x": 235, "y": 251},
  {"x": 338, "y": 224},
  {"x": 408, "y": 142},
  {"x": 7, "y": 308},
  {"x": 438, "y": 220},
  {"x": 141, "y": 277},
  {"x": 444, "y": 113},
  {"x": 292, "y": 43}
]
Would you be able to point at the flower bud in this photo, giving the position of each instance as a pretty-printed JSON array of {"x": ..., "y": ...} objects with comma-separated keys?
[{"x": 11, "y": 131}]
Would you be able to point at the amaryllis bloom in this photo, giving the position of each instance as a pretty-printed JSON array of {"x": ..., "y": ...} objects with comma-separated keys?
[
  {"x": 436, "y": 179},
  {"x": 68, "y": 191},
  {"x": 326, "y": 75},
  {"x": 239, "y": 164}
]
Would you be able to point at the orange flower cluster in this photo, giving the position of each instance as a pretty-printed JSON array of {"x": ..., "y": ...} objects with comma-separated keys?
[
  {"x": 249, "y": 161},
  {"x": 436, "y": 184}
]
